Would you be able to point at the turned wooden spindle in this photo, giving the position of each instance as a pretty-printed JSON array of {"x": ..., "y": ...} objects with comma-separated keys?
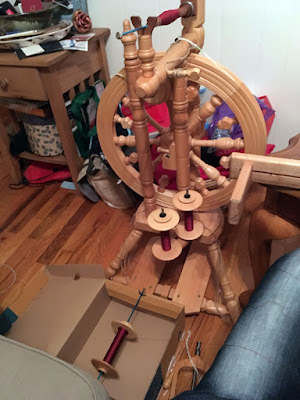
[
  {"x": 163, "y": 183},
  {"x": 126, "y": 101},
  {"x": 130, "y": 140},
  {"x": 162, "y": 150},
  {"x": 133, "y": 67},
  {"x": 191, "y": 73},
  {"x": 221, "y": 144},
  {"x": 217, "y": 261},
  {"x": 210, "y": 171},
  {"x": 126, "y": 122},
  {"x": 193, "y": 92},
  {"x": 227, "y": 123},
  {"x": 129, "y": 244},
  {"x": 146, "y": 54},
  {"x": 201, "y": 186},
  {"x": 161, "y": 129},
  {"x": 125, "y": 141},
  {"x": 180, "y": 125},
  {"x": 132, "y": 158},
  {"x": 209, "y": 108}
]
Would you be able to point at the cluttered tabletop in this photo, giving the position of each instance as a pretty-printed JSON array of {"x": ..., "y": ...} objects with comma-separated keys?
[{"x": 39, "y": 34}]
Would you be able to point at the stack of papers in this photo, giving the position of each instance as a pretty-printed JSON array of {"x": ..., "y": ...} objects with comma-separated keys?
[{"x": 77, "y": 42}]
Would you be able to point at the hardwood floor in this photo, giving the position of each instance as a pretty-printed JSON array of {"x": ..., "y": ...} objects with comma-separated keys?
[{"x": 50, "y": 225}]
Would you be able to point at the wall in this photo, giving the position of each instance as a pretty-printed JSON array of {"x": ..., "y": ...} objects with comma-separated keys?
[{"x": 258, "y": 40}]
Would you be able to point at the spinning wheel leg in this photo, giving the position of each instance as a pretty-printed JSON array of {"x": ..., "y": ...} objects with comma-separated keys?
[
  {"x": 232, "y": 303},
  {"x": 129, "y": 244},
  {"x": 212, "y": 307}
]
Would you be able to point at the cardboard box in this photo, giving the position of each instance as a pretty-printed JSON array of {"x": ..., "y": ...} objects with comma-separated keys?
[{"x": 71, "y": 319}]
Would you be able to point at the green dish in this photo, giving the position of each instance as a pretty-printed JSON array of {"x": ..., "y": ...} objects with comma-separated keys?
[{"x": 30, "y": 21}]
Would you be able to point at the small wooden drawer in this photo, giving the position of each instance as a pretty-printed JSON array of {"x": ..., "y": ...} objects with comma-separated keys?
[{"x": 21, "y": 83}]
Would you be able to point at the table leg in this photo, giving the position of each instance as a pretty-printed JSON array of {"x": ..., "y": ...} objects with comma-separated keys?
[
  {"x": 63, "y": 124},
  {"x": 104, "y": 61},
  {"x": 11, "y": 162}
]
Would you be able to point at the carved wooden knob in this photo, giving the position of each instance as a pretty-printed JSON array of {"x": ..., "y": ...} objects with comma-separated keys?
[
  {"x": 126, "y": 101},
  {"x": 132, "y": 158},
  {"x": 225, "y": 162},
  {"x": 226, "y": 123},
  {"x": 4, "y": 84},
  {"x": 163, "y": 183},
  {"x": 126, "y": 122}
]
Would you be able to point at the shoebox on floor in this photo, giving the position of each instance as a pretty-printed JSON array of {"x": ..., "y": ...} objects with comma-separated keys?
[{"x": 71, "y": 319}]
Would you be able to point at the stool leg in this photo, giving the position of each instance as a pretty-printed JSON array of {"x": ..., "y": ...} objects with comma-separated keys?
[
  {"x": 129, "y": 244},
  {"x": 217, "y": 261}
]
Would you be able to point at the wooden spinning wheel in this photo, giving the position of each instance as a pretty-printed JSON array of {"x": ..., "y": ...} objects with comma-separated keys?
[
  {"x": 174, "y": 78},
  {"x": 225, "y": 85}
]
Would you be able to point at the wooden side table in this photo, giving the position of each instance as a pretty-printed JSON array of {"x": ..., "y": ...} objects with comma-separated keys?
[{"x": 51, "y": 77}]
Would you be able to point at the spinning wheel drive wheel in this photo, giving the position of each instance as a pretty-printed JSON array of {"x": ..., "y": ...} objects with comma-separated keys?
[{"x": 214, "y": 77}]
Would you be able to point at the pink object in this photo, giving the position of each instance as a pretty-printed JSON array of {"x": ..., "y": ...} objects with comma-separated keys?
[
  {"x": 167, "y": 17},
  {"x": 165, "y": 240},
  {"x": 188, "y": 221},
  {"x": 116, "y": 344},
  {"x": 31, "y": 5}
]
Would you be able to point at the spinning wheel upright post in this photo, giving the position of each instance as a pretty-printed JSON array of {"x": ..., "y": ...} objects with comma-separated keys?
[{"x": 174, "y": 78}]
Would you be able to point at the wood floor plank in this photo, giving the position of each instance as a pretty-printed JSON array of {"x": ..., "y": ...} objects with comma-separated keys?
[
  {"x": 9, "y": 242},
  {"x": 30, "y": 210},
  {"x": 17, "y": 204},
  {"x": 65, "y": 233},
  {"x": 30, "y": 250}
]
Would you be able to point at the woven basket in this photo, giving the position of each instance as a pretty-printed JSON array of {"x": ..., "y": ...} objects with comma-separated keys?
[{"x": 43, "y": 137}]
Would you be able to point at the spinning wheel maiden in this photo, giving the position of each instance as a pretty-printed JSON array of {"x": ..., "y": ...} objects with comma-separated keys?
[{"x": 175, "y": 78}]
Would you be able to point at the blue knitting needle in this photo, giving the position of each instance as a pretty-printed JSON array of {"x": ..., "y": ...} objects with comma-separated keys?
[{"x": 119, "y": 34}]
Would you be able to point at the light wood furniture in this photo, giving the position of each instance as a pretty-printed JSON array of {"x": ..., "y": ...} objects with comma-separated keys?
[
  {"x": 56, "y": 78},
  {"x": 175, "y": 78}
]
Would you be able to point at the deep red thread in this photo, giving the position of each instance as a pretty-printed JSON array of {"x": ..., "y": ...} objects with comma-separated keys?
[{"x": 116, "y": 344}]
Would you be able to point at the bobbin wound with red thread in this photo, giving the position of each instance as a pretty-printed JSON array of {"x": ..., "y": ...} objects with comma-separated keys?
[
  {"x": 188, "y": 201},
  {"x": 163, "y": 220},
  {"x": 123, "y": 330}
]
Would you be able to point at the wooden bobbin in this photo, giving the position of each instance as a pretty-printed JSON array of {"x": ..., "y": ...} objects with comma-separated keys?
[
  {"x": 108, "y": 370},
  {"x": 164, "y": 224},
  {"x": 184, "y": 203},
  {"x": 127, "y": 326},
  {"x": 103, "y": 366}
]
